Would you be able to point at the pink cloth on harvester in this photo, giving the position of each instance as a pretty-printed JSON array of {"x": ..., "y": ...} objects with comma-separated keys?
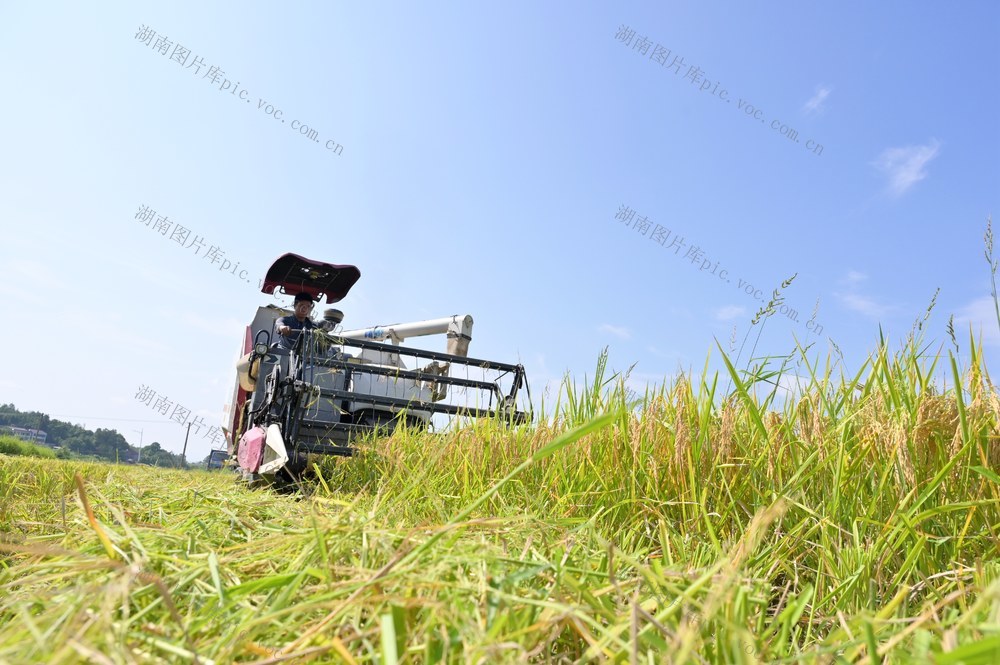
[{"x": 251, "y": 451}]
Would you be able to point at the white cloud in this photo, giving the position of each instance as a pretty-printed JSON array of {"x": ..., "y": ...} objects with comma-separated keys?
[
  {"x": 905, "y": 167},
  {"x": 617, "y": 331},
  {"x": 816, "y": 102},
  {"x": 858, "y": 302},
  {"x": 729, "y": 312},
  {"x": 981, "y": 315},
  {"x": 865, "y": 305},
  {"x": 17, "y": 295},
  {"x": 854, "y": 277},
  {"x": 38, "y": 275}
]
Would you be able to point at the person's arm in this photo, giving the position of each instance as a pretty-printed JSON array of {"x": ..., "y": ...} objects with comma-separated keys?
[{"x": 281, "y": 327}]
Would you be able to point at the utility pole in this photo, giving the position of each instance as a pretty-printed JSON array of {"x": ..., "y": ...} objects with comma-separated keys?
[
  {"x": 184, "y": 452},
  {"x": 139, "y": 457}
]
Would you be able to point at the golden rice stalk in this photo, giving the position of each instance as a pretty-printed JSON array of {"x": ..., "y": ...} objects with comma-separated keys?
[
  {"x": 105, "y": 541},
  {"x": 937, "y": 418},
  {"x": 803, "y": 415},
  {"x": 819, "y": 431},
  {"x": 897, "y": 440},
  {"x": 727, "y": 431},
  {"x": 682, "y": 432}
]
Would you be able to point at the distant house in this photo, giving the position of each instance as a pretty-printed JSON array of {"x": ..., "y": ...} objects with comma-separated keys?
[
  {"x": 130, "y": 457},
  {"x": 31, "y": 435}
]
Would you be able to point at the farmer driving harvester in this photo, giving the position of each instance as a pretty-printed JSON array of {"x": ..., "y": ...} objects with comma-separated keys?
[{"x": 288, "y": 327}]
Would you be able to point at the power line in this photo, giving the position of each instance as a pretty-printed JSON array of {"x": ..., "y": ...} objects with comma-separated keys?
[{"x": 124, "y": 420}]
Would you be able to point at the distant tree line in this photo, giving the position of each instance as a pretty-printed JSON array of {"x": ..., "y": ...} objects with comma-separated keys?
[{"x": 103, "y": 444}]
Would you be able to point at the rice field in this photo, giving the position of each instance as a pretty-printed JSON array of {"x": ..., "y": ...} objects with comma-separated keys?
[
  {"x": 855, "y": 521},
  {"x": 11, "y": 445}
]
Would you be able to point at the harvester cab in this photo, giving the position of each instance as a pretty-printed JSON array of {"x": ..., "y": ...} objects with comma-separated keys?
[{"x": 334, "y": 385}]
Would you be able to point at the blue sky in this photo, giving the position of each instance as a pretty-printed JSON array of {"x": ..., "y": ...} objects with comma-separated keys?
[{"x": 485, "y": 154}]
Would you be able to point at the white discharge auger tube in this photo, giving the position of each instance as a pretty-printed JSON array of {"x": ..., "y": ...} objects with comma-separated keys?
[{"x": 457, "y": 327}]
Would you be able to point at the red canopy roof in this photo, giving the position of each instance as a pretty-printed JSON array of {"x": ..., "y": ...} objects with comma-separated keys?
[{"x": 293, "y": 274}]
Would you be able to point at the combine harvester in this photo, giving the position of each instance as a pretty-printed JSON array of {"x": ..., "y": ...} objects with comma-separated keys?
[{"x": 336, "y": 385}]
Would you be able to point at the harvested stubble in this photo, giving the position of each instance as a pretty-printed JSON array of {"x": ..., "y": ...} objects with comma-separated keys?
[{"x": 857, "y": 521}]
